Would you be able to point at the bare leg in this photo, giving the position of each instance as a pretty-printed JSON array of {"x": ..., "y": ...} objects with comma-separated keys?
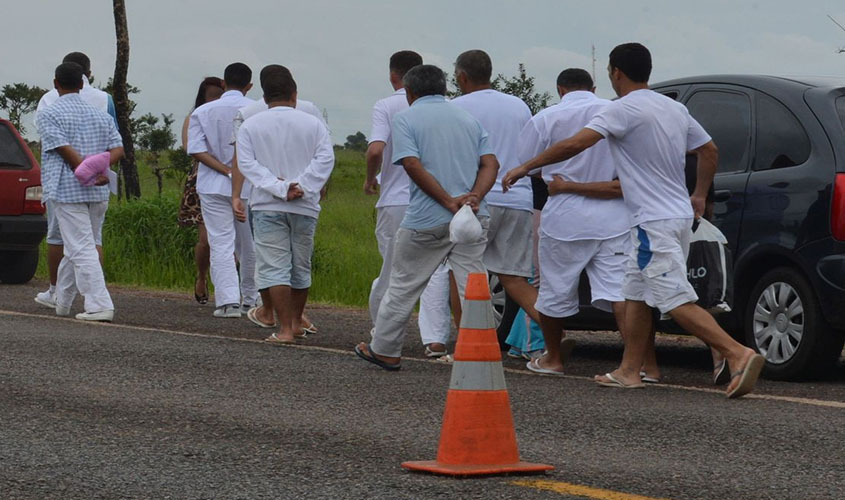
[
  {"x": 265, "y": 313},
  {"x": 650, "y": 366},
  {"x": 298, "y": 299},
  {"x": 281, "y": 299},
  {"x": 522, "y": 292},
  {"x": 553, "y": 332},
  {"x": 638, "y": 327},
  {"x": 202, "y": 253},
  {"x": 455, "y": 300},
  {"x": 54, "y": 257},
  {"x": 700, "y": 323}
]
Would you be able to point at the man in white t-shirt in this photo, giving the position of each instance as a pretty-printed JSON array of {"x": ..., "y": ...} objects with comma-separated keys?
[
  {"x": 649, "y": 135},
  {"x": 209, "y": 142},
  {"x": 393, "y": 198},
  {"x": 55, "y": 245},
  {"x": 510, "y": 239},
  {"x": 263, "y": 315},
  {"x": 287, "y": 156},
  {"x": 584, "y": 224}
]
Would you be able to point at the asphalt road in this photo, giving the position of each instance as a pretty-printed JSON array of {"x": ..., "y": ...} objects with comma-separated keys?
[{"x": 169, "y": 402}]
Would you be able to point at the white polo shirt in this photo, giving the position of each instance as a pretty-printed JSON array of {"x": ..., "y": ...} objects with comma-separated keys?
[
  {"x": 289, "y": 144},
  {"x": 571, "y": 217},
  {"x": 649, "y": 135},
  {"x": 503, "y": 116},
  {"x": 394, "y": 181},
  {"x": 210, "y": 130}
]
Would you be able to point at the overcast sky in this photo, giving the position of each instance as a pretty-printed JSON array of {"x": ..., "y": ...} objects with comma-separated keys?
[{"x": 338, "y": 50}]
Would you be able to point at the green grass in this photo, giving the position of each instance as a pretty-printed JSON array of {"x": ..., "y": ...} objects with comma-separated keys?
[{"x": 145, "y": 247}]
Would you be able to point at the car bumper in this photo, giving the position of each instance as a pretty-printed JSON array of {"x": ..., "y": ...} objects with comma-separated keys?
[{"x": 22, "y": 232}]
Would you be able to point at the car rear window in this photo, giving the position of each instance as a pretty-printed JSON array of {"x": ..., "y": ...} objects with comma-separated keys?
[{"x": 12, "y": 155}]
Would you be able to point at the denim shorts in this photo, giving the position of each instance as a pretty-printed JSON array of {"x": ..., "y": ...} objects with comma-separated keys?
[{"x": 284, "y": 243}]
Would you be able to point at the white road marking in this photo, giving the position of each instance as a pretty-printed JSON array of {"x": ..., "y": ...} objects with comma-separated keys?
[{"x": 349, "y": 352}]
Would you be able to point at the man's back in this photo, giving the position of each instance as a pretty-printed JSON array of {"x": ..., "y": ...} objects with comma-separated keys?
[
  {"x": 503, "y": 116},
  {"x": 394, "y": 181},
  {"x": 210, "y": 130},
  {"x": 95, "y": 97},
  {"x": 575, "y": 216},
  {"x": 70, "y": 121},
  {"x": 286, "y": 142},
  {"x": 649, "y": 135},
  {"x": 449, "y": 143}
]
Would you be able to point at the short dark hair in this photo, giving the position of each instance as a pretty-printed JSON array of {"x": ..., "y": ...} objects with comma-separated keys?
[
  {"x": 69, "y": 75},
  {"x": 403, "y": 61},
  {"x": 209, "y": 81},
  {"x": 277, "y": 83},
  {"x": 477, "y": 66},
  {"x": 425, "y": 79},
  {"x": 575, "y": 79},
  {"x": 632, "y": 59},
  {"x": 80, "y": 59},
  {"x": 237, "y": 75}
]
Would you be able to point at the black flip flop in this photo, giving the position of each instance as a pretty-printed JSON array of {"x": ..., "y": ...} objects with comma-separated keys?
[{"x": 368, "y": 356}]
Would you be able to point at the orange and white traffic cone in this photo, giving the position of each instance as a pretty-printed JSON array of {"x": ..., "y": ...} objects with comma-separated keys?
[{"x": 478, "y": 436}]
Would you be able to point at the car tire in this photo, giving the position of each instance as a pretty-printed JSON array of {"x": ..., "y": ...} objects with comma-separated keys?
[
  {"x": 784, "y": 322},
  {"x": 18, "y": 267}
]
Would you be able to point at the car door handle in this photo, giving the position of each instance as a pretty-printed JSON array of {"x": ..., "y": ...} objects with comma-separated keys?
[{"x": 722, "y": 195}]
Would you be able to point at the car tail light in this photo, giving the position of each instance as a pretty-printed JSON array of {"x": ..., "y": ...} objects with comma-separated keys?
[
  {"x": 32, "y": 201},
  {"x": 837, "y": 209}
]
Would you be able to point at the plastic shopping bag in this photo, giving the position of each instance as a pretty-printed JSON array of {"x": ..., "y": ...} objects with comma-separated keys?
[
  {"x": 710, "y": 267},
  {"x": 465, "y": 227},
  {"x": 92, "y": 166}
]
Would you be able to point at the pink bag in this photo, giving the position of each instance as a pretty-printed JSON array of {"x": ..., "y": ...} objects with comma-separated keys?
[{"x": 92, "y": 166}]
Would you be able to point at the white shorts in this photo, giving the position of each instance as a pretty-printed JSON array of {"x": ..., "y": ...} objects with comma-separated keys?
[
  {"x": 54, "y": 235},
  {"x": 510, "y": 242},
  {"x": 656, "y": 272},
  {"x": 561, "y": 264}
]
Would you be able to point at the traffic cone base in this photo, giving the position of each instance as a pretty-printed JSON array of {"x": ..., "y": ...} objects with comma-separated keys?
[{"x": 436, "y": 467}]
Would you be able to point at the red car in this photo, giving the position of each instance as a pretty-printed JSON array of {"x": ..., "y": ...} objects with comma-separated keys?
[{"x": 22, "y": 222}]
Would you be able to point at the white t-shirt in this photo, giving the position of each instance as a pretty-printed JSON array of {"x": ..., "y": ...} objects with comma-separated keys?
[
  {"x": 393, "y": 179},
  {"x": 570, "y": 217},
  {"x": 258, "y": 106},
  {"x": 649, "y": 135},
  {"x": 503, "y": 116},
  {"x": 210, "y": 130},
  {"x": 93, "y": 96},
  {"x": 287, "y": 143}
]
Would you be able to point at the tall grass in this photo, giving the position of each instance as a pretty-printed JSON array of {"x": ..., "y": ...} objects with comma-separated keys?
[{"x": 144, "y": 246}]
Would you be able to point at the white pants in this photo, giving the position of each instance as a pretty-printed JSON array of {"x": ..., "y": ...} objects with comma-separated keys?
[
  {"x": 80, "y": 268},
  {"x": 227, "y": 237},
  {"x": 435, "y": 314}
]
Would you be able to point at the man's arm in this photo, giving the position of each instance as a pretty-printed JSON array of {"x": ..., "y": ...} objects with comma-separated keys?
[
  {"x": 375, "y": 156},
  {"x": 212, "y": 162},
  {"x": 70, "y": 156},
  {"x": 237, "y": 187},
  {"x": 557, "y": 152},
  {"x": 198, "y": 147},
  {"x": 603, "y": 190},
  {"x": 488, "y": 170},
  {"x": 316, "y": 174},
  {"x": 708, "y": 160},
  {"x": 427, "y": 182}
]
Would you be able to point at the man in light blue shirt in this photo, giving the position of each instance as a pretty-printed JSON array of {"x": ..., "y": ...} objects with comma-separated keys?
[{"x": 445, "y": 153}]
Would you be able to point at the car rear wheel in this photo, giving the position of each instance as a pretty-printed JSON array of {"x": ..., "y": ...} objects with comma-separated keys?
[
  {"x": 18, "y": 267},
  {"x": 783, "y": 321}
]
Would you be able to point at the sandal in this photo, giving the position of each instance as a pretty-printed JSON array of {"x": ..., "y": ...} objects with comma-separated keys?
[
  {"x": 721, "y": 373},
  {"x": 368, "y": 356}
]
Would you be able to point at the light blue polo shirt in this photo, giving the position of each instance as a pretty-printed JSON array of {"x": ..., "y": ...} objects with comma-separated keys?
[{"x": 449, "y": 143}]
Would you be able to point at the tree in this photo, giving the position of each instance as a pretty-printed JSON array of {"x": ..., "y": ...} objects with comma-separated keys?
[
  {"x": 128, "y": 169},
  {"x": 520, "y": 85},
  {"x": 357, "y": 142},
  {"x": 19, "y": 99},
  {"x": 155, "y": 138}
]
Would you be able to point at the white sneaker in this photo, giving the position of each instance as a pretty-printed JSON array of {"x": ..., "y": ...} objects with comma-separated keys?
[
  {"x": 46, "y": 299},
  {"x": 106, "y": 316},
  {"x": 62, "y": 311},
  {"x": 228, "y": 311}
]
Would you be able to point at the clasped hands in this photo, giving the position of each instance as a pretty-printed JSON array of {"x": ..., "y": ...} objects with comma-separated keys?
[
  {"x": 471, "y": 199},
  {"x": 239, "y": 209}
]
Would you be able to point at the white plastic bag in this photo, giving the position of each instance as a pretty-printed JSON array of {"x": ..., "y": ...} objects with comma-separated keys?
[{"x": 465, "y": 227}]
